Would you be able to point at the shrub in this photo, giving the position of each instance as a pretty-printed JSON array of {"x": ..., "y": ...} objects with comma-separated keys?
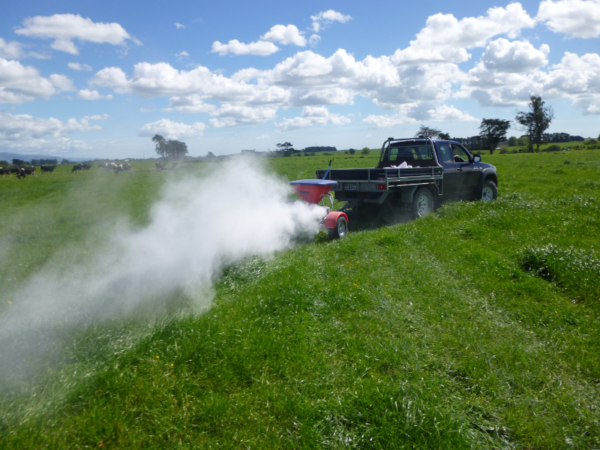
[
  {"x": 365, "y": 151},
  {"x": 503, "y": 151},
  {"x": 553, "y": 148}
]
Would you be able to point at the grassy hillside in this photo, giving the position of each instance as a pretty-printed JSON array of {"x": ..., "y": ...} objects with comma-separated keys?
[{"x": 476, "y": 327}]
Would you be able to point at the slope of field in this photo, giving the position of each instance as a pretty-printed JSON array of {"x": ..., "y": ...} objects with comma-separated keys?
[{"x": 475, "y": 327}]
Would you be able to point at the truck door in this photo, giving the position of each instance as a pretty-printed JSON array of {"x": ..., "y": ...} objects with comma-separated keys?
[
  {"x": 452, "y": 174},
  {"x": 468, "y": 173}
]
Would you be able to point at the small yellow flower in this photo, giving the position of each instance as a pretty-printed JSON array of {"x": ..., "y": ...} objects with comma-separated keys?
[
  {"x": 171, "y": 365},
  {"x": 9, "y": 302},
  {"x": 157, "y": 356}
]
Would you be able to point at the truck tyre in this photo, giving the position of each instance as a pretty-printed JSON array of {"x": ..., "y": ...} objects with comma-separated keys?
[
  {"x": 340, "y": 230},
  {"x": 489, "y": 191},
  {"x": 422, "y": 202}
]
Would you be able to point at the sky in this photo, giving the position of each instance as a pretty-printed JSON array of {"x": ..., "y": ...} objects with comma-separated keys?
[{"x": 99, "y": 79}]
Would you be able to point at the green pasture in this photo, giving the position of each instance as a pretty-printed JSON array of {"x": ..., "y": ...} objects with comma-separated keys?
[{"x": 475, "y": 327}]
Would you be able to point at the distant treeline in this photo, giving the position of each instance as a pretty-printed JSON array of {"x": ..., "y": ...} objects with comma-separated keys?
[
  {"x": 479, "y": 143},
  {"x": 34, "y": 162},
  {"x": 320, "y": 149}
]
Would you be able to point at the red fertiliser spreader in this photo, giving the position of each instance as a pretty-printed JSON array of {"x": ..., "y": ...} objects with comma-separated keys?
[{"x": 315, "y": 192}]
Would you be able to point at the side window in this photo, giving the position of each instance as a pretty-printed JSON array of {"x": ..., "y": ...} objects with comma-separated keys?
[
  {"x": 446, "y": 153},
  {"x": 460, "y": 154}
]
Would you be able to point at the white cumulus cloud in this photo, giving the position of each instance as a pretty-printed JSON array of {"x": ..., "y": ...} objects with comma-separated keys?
[
  {"x": 24, "y": 132},
  {"x": 285, "y": 35},
  {"x": 91, "y": 94},
  {"x": 79, "y": 67},
  {"x": 65, "y": 28},
  {"x": 172, "y": 130},
  {"x": 326, "y": 18},
  {"x": 236, "y": 47},
  {"x": 446, "y": 39},
  {"x": 311, "y": 116},
  {"x": 575, "y": 18},
  {"x": 231, "y": 115},
  {"x": 10, "y": 50},
  {"x": 62, "y": 82},
  {"x": 19, "y": 84},
  {"x": 189, "y": 104},
  {"x": 155, "y": 80},
  {"x": 514, "y": 57},
  {"x": 419, "y": 112}
]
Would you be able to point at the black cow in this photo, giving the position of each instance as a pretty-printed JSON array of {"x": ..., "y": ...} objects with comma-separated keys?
[
  {"x": 160, "y": 166},
  {"x": 48, "y": 168},
  {"x": 77, "y": 167}
]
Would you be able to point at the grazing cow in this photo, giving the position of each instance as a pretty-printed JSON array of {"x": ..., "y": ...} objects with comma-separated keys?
[
  {"x": 77, "y": 167},
  {"x": 21, "y": 172},
  {"x": 48, "y": 167},
  {"x": 30, "y": 171},
  {"x": 127, "y": 167},
  {"x": 4, "y": 171},
  {"x": 160, "y": 166},
  {"x": 86, "y": 165},
  {"x": 118, "y": 168}
]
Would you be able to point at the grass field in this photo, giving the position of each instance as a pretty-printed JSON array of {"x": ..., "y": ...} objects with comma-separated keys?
[{"x": 475, "y": 327}]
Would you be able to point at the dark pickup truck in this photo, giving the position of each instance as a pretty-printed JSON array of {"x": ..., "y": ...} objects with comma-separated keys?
[{"x": 416, "y": 174}]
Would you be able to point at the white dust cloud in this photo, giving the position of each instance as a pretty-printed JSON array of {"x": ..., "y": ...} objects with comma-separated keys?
[{"x": 196, "y": 228}]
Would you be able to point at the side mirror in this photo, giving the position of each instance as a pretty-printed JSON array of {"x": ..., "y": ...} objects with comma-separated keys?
[{"x": 477, "y": 158}]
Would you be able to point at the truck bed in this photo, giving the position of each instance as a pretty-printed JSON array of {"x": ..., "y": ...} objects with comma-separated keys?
[{"x": 392, "y": 176}]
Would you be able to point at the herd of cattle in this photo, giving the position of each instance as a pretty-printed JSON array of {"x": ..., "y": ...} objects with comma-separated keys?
[{"x": 23, "y": 171}]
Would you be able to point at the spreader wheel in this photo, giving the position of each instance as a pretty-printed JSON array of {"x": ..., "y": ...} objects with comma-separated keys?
[{"x": 340, "y": 230}]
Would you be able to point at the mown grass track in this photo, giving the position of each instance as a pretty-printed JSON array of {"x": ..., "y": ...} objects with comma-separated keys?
[{"x": 426, "y": 334}]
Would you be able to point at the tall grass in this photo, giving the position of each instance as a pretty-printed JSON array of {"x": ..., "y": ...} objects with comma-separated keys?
[{"x": 475, "y": 327}]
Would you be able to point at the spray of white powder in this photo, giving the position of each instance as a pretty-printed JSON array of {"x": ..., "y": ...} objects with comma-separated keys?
[{"x": 196, "y": 228}]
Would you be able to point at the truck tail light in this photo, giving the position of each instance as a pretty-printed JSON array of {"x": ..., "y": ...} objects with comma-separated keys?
[{"x": 381, "y": 187}]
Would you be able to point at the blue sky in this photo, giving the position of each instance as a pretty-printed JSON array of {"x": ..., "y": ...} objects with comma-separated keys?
[{"x": 99, "y": 79}]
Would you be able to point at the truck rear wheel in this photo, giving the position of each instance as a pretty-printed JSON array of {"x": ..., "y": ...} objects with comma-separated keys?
[
  {"x": 340, "y": 230},
  {"x": 422, "y": 202}
]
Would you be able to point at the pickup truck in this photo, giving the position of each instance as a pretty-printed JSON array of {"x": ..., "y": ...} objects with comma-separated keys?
[{"x": 416, "y": 174}]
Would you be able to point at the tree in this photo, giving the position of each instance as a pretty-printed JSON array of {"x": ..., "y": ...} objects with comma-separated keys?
[
  {"x": 493, "y": 131},
  {"x": 18, "y": 162},
  {"x": 176, "y": 149},
  {"x": 513, "y": 141},
  {"x": 285, "y": 149},
  {"x": 161, "y": 145},
  {"x": 427, "y": 132},
  {"x": 444, "y": 136},
  {"x": 352, "y": 151},
  {"x": 365, "y": 151},
  {"x": 171, "y": 149},
  {"x": 535, "y": 121}
]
